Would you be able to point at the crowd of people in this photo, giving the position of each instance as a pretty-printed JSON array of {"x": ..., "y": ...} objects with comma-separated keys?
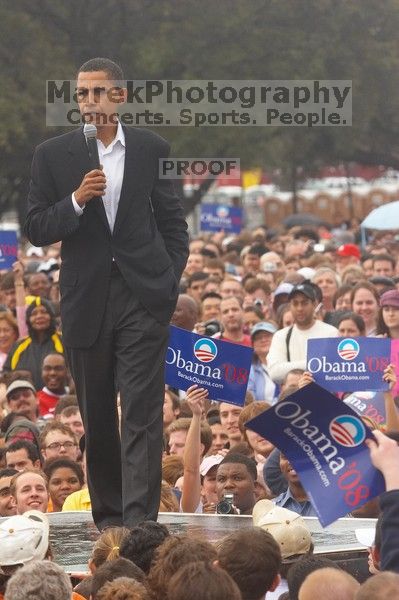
[{"x": 271, "y": 290}]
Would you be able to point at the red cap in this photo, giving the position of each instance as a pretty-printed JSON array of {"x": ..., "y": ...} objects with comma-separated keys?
[{"x": 348, "y": 250}]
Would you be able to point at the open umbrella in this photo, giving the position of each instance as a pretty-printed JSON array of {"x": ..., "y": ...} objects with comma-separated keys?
[
  {"x": 383, "y": 217},
  {"x": 302, "y": 219}
]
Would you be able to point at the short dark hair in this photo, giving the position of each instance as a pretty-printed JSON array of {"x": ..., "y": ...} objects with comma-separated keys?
[
  {"x": 111, "y": 68},
  {"x": 258, "y": 249},
  {"x": 307, "y": 232},
  {"x": 242, "y": 460},
  {"x": 202, "y": 580},
  {"x": 301, "y": 568},
  {"x": 63, "y": 463},
  {"x": 210, "y": 295},
  {"x": 383, "y": 256},
  {"x": 142, "y": 541},
  {"x": 253, "y": 559},
  {"x": 352, "y": 316},
  {"x": 197, "y": 276},
  {"x": 64, "y": 402},
  {"x": 110, "y": 570},
  {"x": 31, "y": 449},
  {"x": 7, "y": 473}
]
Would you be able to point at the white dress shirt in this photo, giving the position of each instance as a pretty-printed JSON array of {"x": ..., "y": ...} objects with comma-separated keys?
[{"x": 112, "y": 158}]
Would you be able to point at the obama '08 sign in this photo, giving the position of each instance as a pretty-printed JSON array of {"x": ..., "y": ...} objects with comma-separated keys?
[
  {"x": 220, "y": 367},
  {"x": 324, "y": 439}
]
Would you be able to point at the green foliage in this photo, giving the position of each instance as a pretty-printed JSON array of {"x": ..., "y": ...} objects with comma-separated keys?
[{"x": 230, "y": 39}]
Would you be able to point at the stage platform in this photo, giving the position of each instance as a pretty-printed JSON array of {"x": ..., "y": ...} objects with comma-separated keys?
[{"x": 73, "y": 534}]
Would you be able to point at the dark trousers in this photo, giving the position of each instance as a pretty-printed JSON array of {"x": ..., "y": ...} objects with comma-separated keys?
[{"x": 124, "y": 471}]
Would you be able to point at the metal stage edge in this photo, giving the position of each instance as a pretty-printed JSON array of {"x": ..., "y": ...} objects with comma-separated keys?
[{"x": 72, "y": 535}]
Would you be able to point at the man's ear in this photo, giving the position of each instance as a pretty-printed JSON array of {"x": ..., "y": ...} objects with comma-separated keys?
[
  {"x": 215, "y": 563},
  {"x": 275, "y": 584},
  {"x": 120, "y": 96},
  {"x": 37, "y": 464}
]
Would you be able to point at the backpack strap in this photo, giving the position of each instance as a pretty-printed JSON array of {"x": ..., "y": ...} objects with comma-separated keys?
[{"x": 287, "y": 342}]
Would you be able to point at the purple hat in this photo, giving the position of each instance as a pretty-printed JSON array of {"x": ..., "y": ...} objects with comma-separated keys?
[{"x": 390, "y": 298}]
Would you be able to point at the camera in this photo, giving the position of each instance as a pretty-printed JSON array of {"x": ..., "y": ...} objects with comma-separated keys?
[
  {"x": 225, "y": 506},
  {"x": 211, "y": 327}
]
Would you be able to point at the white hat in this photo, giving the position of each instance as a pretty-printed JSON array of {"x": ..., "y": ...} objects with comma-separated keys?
[
  {"x": 287, "y": 527},
  {"x": 24, "y": 538},
  {"x": 34, "y": 251},
  {"x": 209, "y": 462},
  {"x": 365, "y": 536},
  {"x": 306, "y": 272},
  {"x": 283, "y": 288},
  {"x": 20, "y": 384}
]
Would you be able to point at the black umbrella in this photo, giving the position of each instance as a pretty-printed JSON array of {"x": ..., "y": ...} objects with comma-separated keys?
[{"x": 302, "y": 219}]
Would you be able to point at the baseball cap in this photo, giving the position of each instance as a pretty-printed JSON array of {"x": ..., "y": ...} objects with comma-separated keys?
[
  {"x": 34, "y": 251},
  {"x": 283, "y": 288},
  {"x": 306, "y": 272},
  {"x": 20, "y": 384},
  {"x": 24, "y": 538},
  {"x": 263, "y": 326},
  {"x": 287, "y": 527},
  {"x": 390, "y": 298},
  {"x": 387, "y": 282},
  {"x": 348, "y": 250},
  {"x": 269, "y": 267},
  {"x": 209, "y": 462},
  {"x": 304, "y": 288}
]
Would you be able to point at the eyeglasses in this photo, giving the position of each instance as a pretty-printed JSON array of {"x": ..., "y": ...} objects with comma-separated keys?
[
  {"x": 59, "y": 445},
  {"x": 57, "y": 368}
]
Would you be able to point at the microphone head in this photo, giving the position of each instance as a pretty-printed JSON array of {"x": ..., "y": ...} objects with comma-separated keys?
[{"x": 90, "y": 131}]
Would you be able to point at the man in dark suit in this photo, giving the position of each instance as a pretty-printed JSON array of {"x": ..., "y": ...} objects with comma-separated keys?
[{"x": 124, "y": 248}]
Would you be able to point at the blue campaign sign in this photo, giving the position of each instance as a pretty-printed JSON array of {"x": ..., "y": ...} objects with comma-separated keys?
[
  {"x": 220, "y": 367},
  {"x": 349, "y": 364},
  {"x": 8, "y": 249},
  {"x": 324, "y": 440},
  {"x": 368, "y": 404},
  {"x": 215, "y": 217}
]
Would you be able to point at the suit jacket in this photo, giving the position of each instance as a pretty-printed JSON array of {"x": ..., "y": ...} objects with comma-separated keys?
[{"x": 149, "y": 241}]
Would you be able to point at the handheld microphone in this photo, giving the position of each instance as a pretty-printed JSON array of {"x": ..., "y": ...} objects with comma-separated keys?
[{"x": 90, "y": 133}]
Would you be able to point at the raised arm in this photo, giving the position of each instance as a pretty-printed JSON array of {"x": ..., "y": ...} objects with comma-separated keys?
[{"x": 191, "y": 493}]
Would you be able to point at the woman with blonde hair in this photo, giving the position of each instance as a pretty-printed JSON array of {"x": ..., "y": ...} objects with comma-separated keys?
[
  {"x": 107, "y": 546},
  {"x": 328, "y": 281}
]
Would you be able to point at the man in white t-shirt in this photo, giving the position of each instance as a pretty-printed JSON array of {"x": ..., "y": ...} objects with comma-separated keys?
[{"x": 289, "y": 345}]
